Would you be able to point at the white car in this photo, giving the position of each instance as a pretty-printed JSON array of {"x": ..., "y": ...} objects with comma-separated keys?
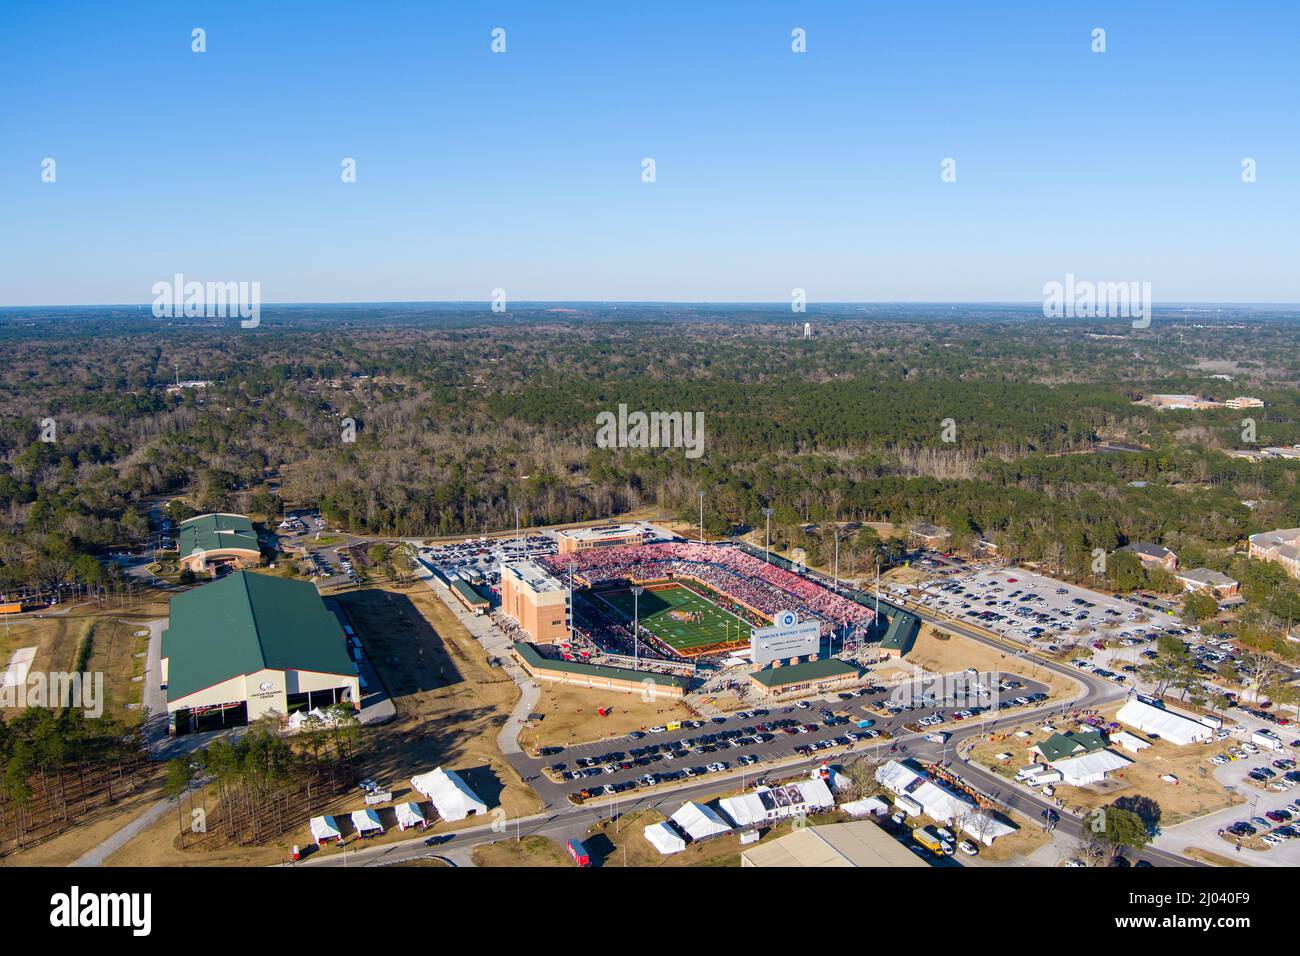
[{"x": 968, "y": 848}]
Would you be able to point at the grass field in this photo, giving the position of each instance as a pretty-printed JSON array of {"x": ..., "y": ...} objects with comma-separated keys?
[{"x": 709, "y": 627}]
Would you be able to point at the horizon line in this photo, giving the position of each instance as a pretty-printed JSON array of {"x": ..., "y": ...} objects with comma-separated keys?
[{"x": 779, "y": 303}]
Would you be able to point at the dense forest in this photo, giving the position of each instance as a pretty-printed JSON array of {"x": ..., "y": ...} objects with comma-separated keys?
[{"x": 429, "y": 420}]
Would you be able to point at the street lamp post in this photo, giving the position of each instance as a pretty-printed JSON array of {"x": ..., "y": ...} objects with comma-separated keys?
[
  {"x": 701, "y": 494},
  {"x": 636, "y": 627},
  {"x": 767, "y": 539}
]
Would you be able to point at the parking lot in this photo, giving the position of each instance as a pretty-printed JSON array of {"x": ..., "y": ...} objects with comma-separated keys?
[
  {"x": 1044, "y": 612},
  {"x": 858, "y": 720},
  {"x": 478, "y": 561},
  {"x": 1266, "y": 825}
]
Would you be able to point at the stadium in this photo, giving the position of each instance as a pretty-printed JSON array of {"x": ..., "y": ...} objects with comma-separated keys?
[{"x": 699, "y": 600}]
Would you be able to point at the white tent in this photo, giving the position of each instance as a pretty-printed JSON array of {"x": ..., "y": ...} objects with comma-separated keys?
[
  {"x": 1129, "y": 742},
  {"x": 938, "y": 803},
  {"x": 698, "y": 821},
  {"x": 664, "y": 838},
  {"x": 409, "y": 815},
  {"x": 816, "y": 795},
  {"x": 323, "y": 829},
  {"x": 1164, "y": 723},
  {"x": 985, "y": 827},
  {"x": 367, "y": 822},
  {"x": 745, "y": 809},
  {"x": 451, "y": 796},
  {"x": 298, "y": 719},
  {"x": 867, "y": 807},
  {"x": 1090, "y": 768}
]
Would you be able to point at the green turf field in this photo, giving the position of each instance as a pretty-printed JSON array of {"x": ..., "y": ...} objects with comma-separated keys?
[{"x": 712, "y": 625}]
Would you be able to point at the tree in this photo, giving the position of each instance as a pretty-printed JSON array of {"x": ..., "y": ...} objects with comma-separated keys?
[
  {"x": 1199, "y": 606},
  {"x": 177, "y": 780},
  {"x": 1124, "y": 828}
]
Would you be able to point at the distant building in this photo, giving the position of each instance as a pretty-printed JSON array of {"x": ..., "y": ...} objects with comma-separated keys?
[
  {"x": 1244, "y": 401},
  {"x": 213, "y": 541},
  {"x": 1153, "y": 556},
  {"x": 602, "y": 536},
  {"x": 929, "y": 535},
  {"x": 1174, "y": 402},
  {"x": 1281, "y": 546},
  {"x": 1212, "y": 582},
  {"x": 178, "y": 387},
  {"x": 536, "y": 601}
]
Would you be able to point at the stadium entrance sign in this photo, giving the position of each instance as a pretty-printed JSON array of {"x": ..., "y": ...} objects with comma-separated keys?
[{"x": 787, "y": 637}]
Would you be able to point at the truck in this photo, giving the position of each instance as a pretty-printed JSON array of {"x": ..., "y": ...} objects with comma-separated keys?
[
  {"x": 579, "y": 853},
  {"x": 1266, "y": 739},
  {"x": 929, "y": 841}
]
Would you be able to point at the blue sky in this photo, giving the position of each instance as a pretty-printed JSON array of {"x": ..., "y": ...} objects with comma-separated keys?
[{"x": 774, "y": 170}]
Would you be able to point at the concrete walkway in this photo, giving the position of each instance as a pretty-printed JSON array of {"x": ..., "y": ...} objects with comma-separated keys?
[{"x": 122, "y": 837}]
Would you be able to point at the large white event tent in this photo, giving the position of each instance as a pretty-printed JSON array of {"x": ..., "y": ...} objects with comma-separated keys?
[
  {"x": 699, "y": 822},
  {"x": 664, "y": 838},
  {"x": 451, "y": 796}
]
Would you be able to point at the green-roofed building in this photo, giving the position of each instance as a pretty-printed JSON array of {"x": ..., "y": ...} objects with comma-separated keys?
[
  {"x": 250, "y": 646},
  {"x": 1060, "y": 746},
  {"x": 599, "y": 676},
  {"x": 810, "y": 677},
  {"x": 213, "y": 541},
  {"x": 900, "y": 635}
]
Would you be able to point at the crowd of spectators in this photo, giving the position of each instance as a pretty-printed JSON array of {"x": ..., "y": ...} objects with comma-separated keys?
[{"x": 758, "y": 585}]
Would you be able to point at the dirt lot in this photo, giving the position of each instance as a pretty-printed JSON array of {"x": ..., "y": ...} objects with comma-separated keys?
[
  {"x": 569, "y": 716},
  {"x": 530, "y": 851},
  {"x": 58, "y": 639},
  {"x": 1195, "y": 793},
  {"x": 450, "y": 707},
  {"x": 957, "y": 653}
]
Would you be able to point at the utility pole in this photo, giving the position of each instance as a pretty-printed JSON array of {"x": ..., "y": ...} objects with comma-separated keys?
[
  {"x": 636, "y": 627},
  {"x": 701, "y": 517}
]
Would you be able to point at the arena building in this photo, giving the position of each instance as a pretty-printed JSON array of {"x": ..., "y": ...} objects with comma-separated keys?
[
  {"x": 213, "y": 541},
  {"x": 602, "y": 536},
  {"x": 536, "y": 601},
  {"x": 250, "y": 646}
]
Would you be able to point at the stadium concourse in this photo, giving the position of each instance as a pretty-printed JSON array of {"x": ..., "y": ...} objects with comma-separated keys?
[{"x": 699, "y": 598}]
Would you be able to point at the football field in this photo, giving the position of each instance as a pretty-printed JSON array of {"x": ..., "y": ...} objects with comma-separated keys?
[{"x": 709, "y": 630}]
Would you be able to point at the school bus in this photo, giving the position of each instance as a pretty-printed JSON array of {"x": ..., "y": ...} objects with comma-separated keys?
[{"x": 14, "y": 608}]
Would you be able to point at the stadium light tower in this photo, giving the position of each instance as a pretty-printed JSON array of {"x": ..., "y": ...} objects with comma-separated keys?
[
  {"x": 767, "y": 538},
  {"x": 570, "y": 609},
  {"x": 837, "y": 559},
  {"x": 701, "y": 494},
  {"x": 636, "y": 627}
]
